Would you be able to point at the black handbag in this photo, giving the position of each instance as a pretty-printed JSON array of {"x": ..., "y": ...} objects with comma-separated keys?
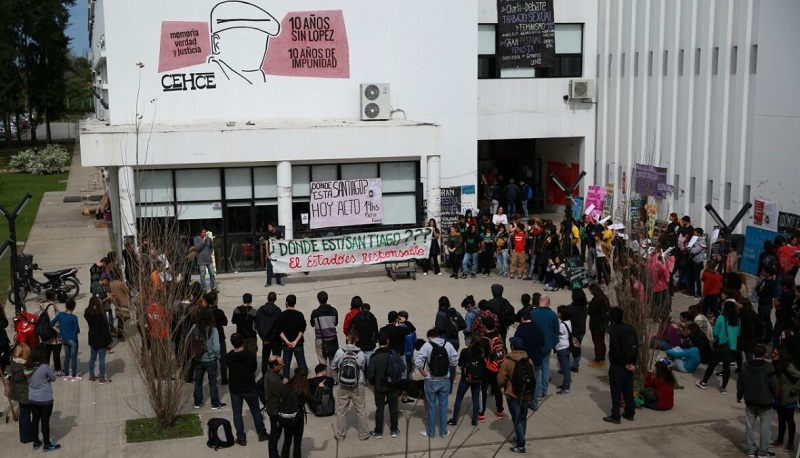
[{"x": 329, "y": 347}]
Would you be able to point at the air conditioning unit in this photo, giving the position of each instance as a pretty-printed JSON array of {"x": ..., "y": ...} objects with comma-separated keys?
[
  {"x": 375, "y": 102},
  {"x": 582, "y": 90}
]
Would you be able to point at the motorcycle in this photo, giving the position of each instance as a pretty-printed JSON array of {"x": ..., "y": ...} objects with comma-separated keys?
[{"x": 65, "y": 281}]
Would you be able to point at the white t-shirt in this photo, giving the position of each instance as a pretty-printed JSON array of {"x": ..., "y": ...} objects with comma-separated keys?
[
  {"x": 563, "y": 335},
  {"x": 500, "y": 219}
]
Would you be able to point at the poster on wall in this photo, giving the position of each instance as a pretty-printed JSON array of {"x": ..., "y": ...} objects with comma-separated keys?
[
  {"x": 450, "y": 206},
  {"x": 765, "y": 214},
  {"x": 567, "y": 173},
  {"x": 754, "y": 238},
  {"x": 351, "y": 250},
  {"x": 651, "y": 181},
  {"x": 595, "y": 196},
  {"x": 468, "y": 198},
  {"x": 789, "y": 223},
  {"x": 577, "y": 208},
  {"x": 525, "y": 34},
  {"x": 242, "y": 43},
  {"x": 608, "y": 201},
  {"x": 346, "y": 202}
]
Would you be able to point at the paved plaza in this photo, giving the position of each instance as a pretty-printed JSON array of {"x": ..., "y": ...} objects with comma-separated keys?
[{"x": 89, "y": 419}]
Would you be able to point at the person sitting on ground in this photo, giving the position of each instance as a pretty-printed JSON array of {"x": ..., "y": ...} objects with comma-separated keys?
[
  {"x": 322, "y": 379},
  {"x": 666, "y": 336},
  {"x": 555, "y": 278},
  {"x": 659, "y": 388}
]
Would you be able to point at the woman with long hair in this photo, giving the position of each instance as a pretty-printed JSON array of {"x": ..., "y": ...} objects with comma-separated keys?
[
  {"x": 297, "y": 385},
  {"x": 436, "y": 249},
  {"x": 598, "y": 310},
  {"x": 40, "y": 396},
  {"x": 578, "y": 310},
  {"x": 207, "y": 330},
  {"x": 726, "y": 335},
  {"x": 99, "y": 339},
  {"x": 563, "y": 349},
  {"x": 19, "y": 390},
  {"x": 659, "y": 388},
  {"x": 788, "y": 387}
]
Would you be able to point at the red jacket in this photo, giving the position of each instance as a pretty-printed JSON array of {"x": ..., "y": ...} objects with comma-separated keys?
[
  {"x": 348, "y": 320},
  {"x": 712, "y": 282},
  {"x": 665, "y": 392}
]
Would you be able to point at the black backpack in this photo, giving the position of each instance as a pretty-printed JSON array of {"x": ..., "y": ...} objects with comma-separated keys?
[
  {"x": 322, "y": 402},
  {"x": 507, "y": 315},
  {"x": 395, "y": 369},
  {"x": 474, "y": 369},
  {"x": 220, "y": 434},
  {"x": 523, "y": 380},
  {"x": 43, "y": 329},
  {"x": 439, "y": 361},
  {"x": 349, "y": 369},
  {"x": 196, "y": 344},
  {"x": 289, "y": 410},
  {"x": 451, "y": 324}
]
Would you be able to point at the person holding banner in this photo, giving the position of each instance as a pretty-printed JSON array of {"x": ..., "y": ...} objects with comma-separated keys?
[{"x": 272, "y": 234}]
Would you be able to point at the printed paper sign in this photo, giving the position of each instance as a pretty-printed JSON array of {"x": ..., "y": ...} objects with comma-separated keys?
[
  {"x": 346, "y": 202},
  {"x": 351, "y": 250}
]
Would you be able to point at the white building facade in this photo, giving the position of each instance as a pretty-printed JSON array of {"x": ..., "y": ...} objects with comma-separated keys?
[
  {"x": 704, "y": 89},
  {"x": 221, "y": 114}
]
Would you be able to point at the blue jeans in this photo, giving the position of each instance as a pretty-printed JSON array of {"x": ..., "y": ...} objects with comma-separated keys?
[
  {"x": 25, "y": 423},
  {"x": 563, "y": 363},
  {"x": 502, "y": 262},
  {"x": 576, "y": 362},
  {"x": 511, "y": 207},
  {"x": 200, "y": 368},
  {"x": 251, "y": 397},
  {"x": 299, "y": 353},
  {"x": 475, "y": 391},
  {"x": 211, "y": 275},
  {"x": 469, "y": 257},
  {"x": 519, "y": 415},
  {"x": 71, "y": 357},
  {"x": 542, "y": 379},
  {"x": 436, "y": 392},
  {"x": 750, "y": 414},
  {"x": 93, "y": 356}
]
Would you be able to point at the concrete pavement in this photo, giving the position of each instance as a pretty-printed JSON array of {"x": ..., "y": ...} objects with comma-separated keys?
[{"x": 89, "y": 419}]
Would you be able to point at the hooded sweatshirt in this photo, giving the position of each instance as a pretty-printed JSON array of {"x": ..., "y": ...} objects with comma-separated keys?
[
  {"x": 547, "y": 320},
  {"x": 19, "y": 382},
  {"x": 757, "y": 384},
  {"x": 506, "y": 373},
  {"x": 340, "y": 353},
  {"x": 242, "y": 366},
  {"x": 324, "y": 319},
  {"x": 366, "y": 325}
]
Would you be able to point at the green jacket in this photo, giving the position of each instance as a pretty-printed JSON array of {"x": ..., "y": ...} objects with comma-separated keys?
[
  {"x": 726, "y": 334},
  {"x": 789, "y": 384}
]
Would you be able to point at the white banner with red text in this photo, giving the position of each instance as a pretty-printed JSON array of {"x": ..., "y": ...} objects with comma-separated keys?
[{"x": 352, "y": 250}]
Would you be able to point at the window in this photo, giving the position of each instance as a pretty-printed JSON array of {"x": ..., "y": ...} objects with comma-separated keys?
[
  {"x": 665, "y": 65},
  {"x": 326, "y": 172},
  {"x": 728, "y": 194},
  {"x": 568, "y": 55},
  {"x": 237, "y": 184},
  {"x": 680, "y": 63},
  {"x": 753, "y": 59},
  {"x": 691, "y": 190},
  {"x": 734, "y": 59},
  {"x": 198, "y": 184},
  {"x": 697, "y": 62},
  {"x": 154, "y": 185},
  {"x": 677, "y": 190},
  {"x": 715, "y": 61},
  {"x": 710, "y": 191},
  {"x": 650, "y": 63},
  {"x": 636, "y": 64},
  {"x": 746, "y": 194},
  {"x": 622, "y": 66},
  {"x": 610, "y": 64}
]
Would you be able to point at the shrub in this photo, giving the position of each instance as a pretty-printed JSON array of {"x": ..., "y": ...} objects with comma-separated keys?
[{"x": 48, "y": 160}]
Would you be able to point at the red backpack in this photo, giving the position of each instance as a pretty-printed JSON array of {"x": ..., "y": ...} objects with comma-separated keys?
[{"x": 497, "y": 353}]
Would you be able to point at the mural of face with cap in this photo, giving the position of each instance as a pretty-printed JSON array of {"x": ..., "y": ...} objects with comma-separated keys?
[{"x": 240, "y": 34}]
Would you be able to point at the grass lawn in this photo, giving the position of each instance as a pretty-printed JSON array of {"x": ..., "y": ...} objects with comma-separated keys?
[
  {"x": 13, "y": 187},
  {"x": 147, "y": 429}
]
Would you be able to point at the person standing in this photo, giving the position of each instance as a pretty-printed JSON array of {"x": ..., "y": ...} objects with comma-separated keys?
[
  {"x": 377, "y": 370},
  {"x": 436, "y": 250},
  {"x": 397, "y": 329},
  {"x": 272, "y": 234},
  {"x": 267, "y": 326},
  {"x": 325, "y": 318},
  {"x": 297, "y": 386},
  {"x": 547, "y": 321},
  {"x": 511, "y": 193},
  {"x": 786, "y": 403},
  {"x": 52, "y": 346},
  {"x": 598, "y": 312},
  {"x": 40, "y": 397},
  {"x": 455, "y": 250},
  {"x": 205, "y": 248},
  {"x": 366, "y": 325},
  {"x": 578, "y": 311},
  {"x": 623, "y": 354},
  {"x": 517, "y": 402},
  {"x": 242, "y": 365},
  {"x": 99, "y": 339},
  {"x": 434, "y": 361},
  {"x": 726, "y": 336},
  {"x": 244, "y": 317},
  {"x": 274, "y": 389},
  {"x": 292, "y": 327},
  {"x": 758, "y": 386},
  {"x": 69, "y": 328},
  {"x": 518, "y": 239},
  {"x": 494, "y": 349},
  {"x": 19, "y": 391},
  {"x": 349, "y": 362},
  {"x": 204, "y": 326},
  {"x": 471, "y": 362},
  {"x": 122, "y": 297},
  {"x": 220, "y": 321}
]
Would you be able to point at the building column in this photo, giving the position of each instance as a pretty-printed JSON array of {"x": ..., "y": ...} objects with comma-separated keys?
[
  {"x": 126, "y": 216},
  {"x": 434, "y": 189},
  {"x": 285, "y": 219}
]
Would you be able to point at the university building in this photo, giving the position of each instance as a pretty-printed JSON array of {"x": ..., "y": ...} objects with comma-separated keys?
[{"x": 223, "y": 114}]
